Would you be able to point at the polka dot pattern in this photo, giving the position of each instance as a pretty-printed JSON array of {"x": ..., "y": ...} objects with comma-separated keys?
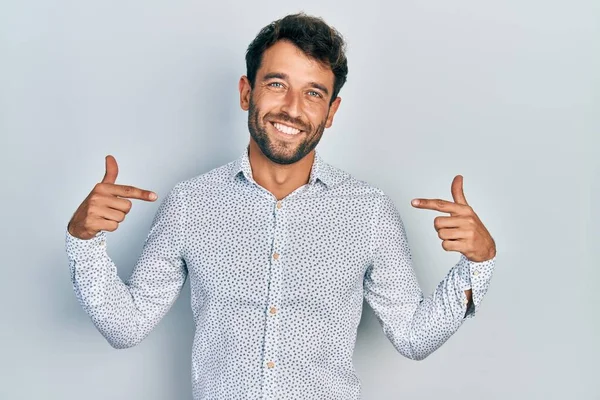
[{"x": 276, "y": 286}]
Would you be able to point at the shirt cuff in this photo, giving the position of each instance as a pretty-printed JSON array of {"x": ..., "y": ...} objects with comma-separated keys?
[
  {"x": 475, "y": 276},
  {"x": 81, "y": 250}
]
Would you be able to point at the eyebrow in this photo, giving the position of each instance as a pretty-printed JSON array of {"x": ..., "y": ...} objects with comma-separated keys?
[{"x": 281, "y": 75}]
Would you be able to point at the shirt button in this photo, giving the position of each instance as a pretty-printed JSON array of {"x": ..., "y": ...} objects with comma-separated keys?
[
  {"x": 466, "y": 301},
  {"x": 475, "y": 273},
  {"x": 279, "y": 204},
  {"x": 272, "y": 310},
  {"x": 276, "y": 256},
  {"x": 271, "y": 364}
]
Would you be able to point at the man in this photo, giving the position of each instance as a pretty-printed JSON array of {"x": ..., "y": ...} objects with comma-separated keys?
[{"x": 280, "y": 247}]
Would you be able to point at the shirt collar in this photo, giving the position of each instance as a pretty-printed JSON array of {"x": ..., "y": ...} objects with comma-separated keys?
[{"x": 320, "y": 170}]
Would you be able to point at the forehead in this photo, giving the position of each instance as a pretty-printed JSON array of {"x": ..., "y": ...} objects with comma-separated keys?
[{"x": 285, "y": 57}]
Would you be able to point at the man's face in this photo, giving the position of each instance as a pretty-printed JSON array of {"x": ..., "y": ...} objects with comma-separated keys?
[{"x": 288, "y": 108}]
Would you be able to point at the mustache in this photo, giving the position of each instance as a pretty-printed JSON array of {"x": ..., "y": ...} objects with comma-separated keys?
[{"x": 293, "y": 121}]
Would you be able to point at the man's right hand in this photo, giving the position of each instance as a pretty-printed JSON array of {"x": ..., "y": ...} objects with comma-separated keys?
[{"x": 106, "y": 205}]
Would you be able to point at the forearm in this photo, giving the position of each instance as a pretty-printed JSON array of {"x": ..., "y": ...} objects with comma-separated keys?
[
  {"x": 418, "y": 326},
  {"x": 438, "y": 316},
  {"x": 107, "y": 300}
]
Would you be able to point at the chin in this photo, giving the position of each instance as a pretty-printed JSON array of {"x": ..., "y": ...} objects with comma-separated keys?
[{"x": 282, "y": 159}]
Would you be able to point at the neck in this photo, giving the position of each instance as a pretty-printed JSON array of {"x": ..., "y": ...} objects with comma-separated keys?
[{"x": 278, "y": 179}]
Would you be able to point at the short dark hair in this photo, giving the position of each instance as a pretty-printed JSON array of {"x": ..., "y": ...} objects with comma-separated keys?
[{"x": 310, "y": 34}]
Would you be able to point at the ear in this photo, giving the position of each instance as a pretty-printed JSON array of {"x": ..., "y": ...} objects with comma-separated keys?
[
  {"x": 332, "y": 110},
  {"x": 245, "y": 89}
]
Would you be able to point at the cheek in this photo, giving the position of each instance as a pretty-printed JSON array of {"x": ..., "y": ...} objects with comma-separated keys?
[
  {"x": 268, "y": 97},
  {"x": 316, "y": 113},
  {"x": 267, "y": 106}
]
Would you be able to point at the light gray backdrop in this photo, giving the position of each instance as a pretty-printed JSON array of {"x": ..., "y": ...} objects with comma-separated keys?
[{"x": 505, "y": 93}]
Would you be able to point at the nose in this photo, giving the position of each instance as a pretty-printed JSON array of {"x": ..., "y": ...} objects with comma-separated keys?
[{"x": 292, "y": 104}]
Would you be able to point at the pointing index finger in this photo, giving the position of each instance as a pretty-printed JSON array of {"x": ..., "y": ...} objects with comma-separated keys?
[
  {"x": 131, "y": 192},
  {"x": 438, "y": 205}
]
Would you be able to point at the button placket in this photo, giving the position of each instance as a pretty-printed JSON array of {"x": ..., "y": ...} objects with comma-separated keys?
[{"x": 272, "y": 338}]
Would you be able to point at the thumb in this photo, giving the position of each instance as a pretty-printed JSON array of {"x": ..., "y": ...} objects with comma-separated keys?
[
  {"x": 112, "y": 170},
  {"x": 457, "y": 190}
]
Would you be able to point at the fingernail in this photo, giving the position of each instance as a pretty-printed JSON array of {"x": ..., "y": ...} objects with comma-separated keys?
[
  {"x": 415, "y": 202},
  {"x": 153, "y": 196}
]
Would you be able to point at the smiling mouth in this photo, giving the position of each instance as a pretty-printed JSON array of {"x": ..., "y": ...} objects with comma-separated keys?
[{"x": 288, "y": 130}]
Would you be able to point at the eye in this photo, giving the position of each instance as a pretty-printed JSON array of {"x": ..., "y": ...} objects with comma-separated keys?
[
  {"x": 272, "y": 84},
  {"x": 313, "y": 93}
]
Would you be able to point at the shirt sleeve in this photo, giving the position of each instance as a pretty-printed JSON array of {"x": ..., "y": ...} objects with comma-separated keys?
[
  {"x": 416, "y": 325},
  {"x": 126, "y": 312}
]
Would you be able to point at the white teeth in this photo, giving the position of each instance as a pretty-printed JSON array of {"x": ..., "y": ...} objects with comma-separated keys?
[{"x": 286, "y": 129}]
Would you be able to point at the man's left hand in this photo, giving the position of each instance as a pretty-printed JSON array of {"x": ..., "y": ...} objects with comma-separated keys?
[{"x": 462, "y": 231}]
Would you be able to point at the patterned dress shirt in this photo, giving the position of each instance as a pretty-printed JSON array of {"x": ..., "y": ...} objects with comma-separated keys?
[{"x": 277, "y": 287}]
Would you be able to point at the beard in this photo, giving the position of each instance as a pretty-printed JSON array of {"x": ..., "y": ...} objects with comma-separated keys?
[{"x": 281, "y": 152}]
